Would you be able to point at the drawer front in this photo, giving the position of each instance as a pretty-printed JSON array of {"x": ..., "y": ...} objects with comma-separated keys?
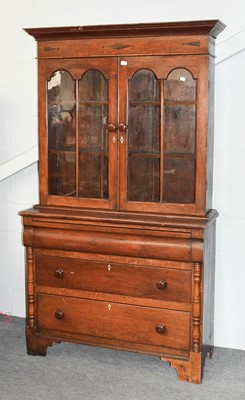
[
  {"x": 130, "y": 280},
  {"x": 152, "y": 326},
  {"x": 130, "y": 244}
]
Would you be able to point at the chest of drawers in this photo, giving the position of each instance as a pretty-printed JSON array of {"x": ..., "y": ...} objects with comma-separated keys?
[{"x": 97, "y": 280}]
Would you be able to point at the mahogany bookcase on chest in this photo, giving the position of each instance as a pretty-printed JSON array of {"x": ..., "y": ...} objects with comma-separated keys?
[{"x": 120, "y": 250}]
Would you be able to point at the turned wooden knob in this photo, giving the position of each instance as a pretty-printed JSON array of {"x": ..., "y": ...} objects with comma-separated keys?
[
  {"x": 160, "y": 328},
  {"x": 111, "y": 127},
  {"x": 122, "y": 127},
  {"x": 161, "y": 284},
  {"x": 59, "y": 273},
  {"x": 59, "y": 314}
]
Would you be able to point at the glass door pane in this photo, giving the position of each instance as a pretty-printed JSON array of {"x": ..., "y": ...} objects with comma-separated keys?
[
  {"x": 179, "y": 137},
  {"x": 61, "y": 134},
  {"x": 143, "y": 137},
  {"x": 92, "y": 139}
]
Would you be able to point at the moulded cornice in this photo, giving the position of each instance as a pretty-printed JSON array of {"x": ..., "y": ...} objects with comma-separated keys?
[{"x": 208, "y": 27}]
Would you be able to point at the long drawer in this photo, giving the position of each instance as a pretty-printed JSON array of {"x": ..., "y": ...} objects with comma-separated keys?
[
  {"x": 132, "y": 280},
  {"x": 152, "y": 326}
]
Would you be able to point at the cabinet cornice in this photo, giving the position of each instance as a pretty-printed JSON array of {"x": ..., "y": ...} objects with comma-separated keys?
[{"x": 206, "y": 27}]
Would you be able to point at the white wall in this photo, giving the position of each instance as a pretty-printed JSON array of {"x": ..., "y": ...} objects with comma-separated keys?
[
  {"x": 18, "y": 132},
  {"x": 229, "y": 199}
]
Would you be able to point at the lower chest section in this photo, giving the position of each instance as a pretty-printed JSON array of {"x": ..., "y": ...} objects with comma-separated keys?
[{"x": 119, "y": 302}]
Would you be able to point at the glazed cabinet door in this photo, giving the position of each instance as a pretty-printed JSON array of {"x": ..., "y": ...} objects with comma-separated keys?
[
  {"x": 78, "y": 135},
  {"x": 125, "y": 133},
  {"x": 162, "y": 134}
]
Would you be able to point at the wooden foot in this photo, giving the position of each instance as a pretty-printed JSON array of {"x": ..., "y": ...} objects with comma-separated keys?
[
  {"x": 36, "y": 346},
  {"x": 187, "y": 370}
]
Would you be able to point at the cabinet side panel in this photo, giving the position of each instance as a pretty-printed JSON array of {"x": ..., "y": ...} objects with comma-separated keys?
[
  {"x": 210, "y": 139},
  {"x": 208, "y": 295}
]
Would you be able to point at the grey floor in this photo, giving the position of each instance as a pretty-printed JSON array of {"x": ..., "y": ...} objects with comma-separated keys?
[{"x": 72, "y": 372}]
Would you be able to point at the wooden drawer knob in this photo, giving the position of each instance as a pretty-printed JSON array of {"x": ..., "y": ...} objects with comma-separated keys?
[
  {"x": 59, "y": 314},
  {"x": 59, "y": 273},
  {"x": 161, "y": 284},
  {"x": 160, "y": 328}
]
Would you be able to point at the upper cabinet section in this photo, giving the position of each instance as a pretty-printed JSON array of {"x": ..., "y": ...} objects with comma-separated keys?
[{"x": 125, "y": 116}]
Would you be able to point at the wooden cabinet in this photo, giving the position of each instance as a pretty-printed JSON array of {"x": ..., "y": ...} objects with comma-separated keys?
[{"x": 120, "y": 250}]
